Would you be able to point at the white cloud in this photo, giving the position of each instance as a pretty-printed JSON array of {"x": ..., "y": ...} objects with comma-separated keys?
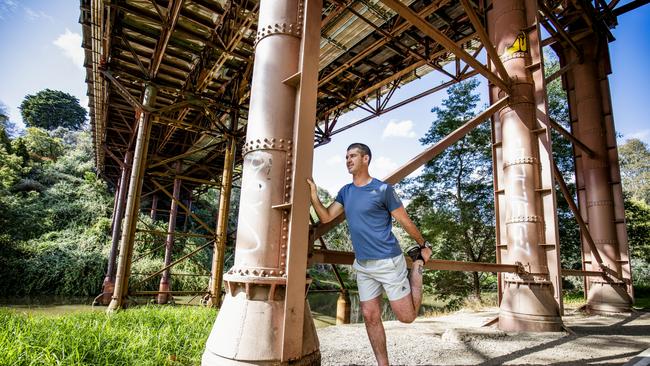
[
  {"x": 643, "y": 135},
  {"x": 70, "y": 44},
  {"x": 382, "y": 166},
  {"x": 334, "y": 160},
  {"x": 33, "y": 15},
  {"x": 7, "y": 7},
  {"x": 399, "y": 129}
]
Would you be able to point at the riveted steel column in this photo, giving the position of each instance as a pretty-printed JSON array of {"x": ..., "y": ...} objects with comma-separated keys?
[
  {"x": 132, "y": 209},
  {"x": 222, "y": 224},
  {"x": 528, "y": 302},
  {"x": 163, "y": 297},
  {"x": 120, "y": 198},
  {"x": 265, "y": 318},
  {"x": 153, "y": 213},
  {"x": 598, "y": 176}
]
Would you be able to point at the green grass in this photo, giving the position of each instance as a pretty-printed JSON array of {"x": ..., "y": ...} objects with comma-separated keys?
[{"x": 139, "y": 336}]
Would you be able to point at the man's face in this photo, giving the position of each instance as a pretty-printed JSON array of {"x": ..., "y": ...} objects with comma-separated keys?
[{"x": 355, "y": 161}]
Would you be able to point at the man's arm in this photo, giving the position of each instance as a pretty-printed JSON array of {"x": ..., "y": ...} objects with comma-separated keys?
[
  {"x": 403, "y": 218},
  {"x": 325, "y": 214}
]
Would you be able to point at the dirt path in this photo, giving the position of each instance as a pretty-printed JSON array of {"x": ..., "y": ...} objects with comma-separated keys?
[{"x": 460, "y": 339}]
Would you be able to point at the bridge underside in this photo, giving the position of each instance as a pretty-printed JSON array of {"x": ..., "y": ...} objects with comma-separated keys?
[{"x": 187, "y": 95}]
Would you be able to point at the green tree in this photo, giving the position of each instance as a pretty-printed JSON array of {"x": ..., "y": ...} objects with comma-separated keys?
[
  {"x": 635, "y": 169},
  {"x": 4, "y": 128},
  {"x": 453, "y": 198},
  {"x": 50, "y": 109},
  {"x": 41, "y": 146}
]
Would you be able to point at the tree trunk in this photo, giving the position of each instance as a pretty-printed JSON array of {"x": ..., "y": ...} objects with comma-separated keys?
[{"x": 477, "y": 286}]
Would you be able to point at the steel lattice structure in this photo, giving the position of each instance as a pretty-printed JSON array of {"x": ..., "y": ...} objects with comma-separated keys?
[{"x": 178, "y": 87}]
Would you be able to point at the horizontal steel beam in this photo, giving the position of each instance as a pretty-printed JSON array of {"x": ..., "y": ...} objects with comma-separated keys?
[
  {"x": 340, "y": 257},
  {"x": 577, "y": 272}
]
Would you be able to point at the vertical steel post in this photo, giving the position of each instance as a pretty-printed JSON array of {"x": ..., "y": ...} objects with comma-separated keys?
[
  {"x": 598, "y": 176},
  {"x": 163, "y": 297},
  {"x": 222, "y": 224},
  {"x": 529, "y": 300},
  {"x": 343, "y": 308},
  {"x": 109, "y": 281},
  {"x": 132, "y": 209},
  {"x": 265, "y": 318},
  {"x": 153, "y": 213}
]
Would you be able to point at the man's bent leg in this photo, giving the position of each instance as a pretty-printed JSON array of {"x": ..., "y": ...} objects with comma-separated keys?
[
  {"x": 415, "y": 279},
  {"x": 371, "y": 311}
]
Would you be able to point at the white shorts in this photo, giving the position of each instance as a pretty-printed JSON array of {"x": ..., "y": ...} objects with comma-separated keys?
[{"x": 375, "y": 276}]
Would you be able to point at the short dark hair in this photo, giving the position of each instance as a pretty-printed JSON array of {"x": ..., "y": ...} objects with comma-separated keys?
[{"x": 363, "y": 148}]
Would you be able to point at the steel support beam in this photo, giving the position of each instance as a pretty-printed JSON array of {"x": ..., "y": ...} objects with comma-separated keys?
[
  {"x": 221, "y": 234},
  {"x": 426, "y": 27},
  {"x": 120, "y": 198},
  {"x": 340, "y": 257},
  {"x": 524, "y": 199},
  {"x": 267, "y": 283},
  {"x": 598, "y": 177},
  {"x": 133, "y": 203},
  {"x": 485, "y": 39},
  {"x": 169, "y": 240},
  {"x": 153, "y": 211}
]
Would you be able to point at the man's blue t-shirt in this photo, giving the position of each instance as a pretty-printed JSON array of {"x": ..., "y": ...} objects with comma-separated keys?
[{"x": 367, "y": 210}]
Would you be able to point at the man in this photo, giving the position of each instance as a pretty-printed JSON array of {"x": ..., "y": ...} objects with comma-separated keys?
[{"x": 369, "y": 205}]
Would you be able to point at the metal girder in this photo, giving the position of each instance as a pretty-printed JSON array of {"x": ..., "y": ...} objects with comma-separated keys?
[
  {"x": 426, "y": 27},
  {"x": 171, "y": 265},
  {"x": 579, "y": 144},
  {"x": 340, "y": 257},
  {"x": 181, "y": 205},
  {"x": 428, "y": 10},
  {"x": 559, "y": 28},
  {"x": 485, "y": 39},
  {"x": 123, "y": 91},
  {"x": 628, "y": 7},
  {"x": 395, "y": 76},
  {"x": 183, "y": 155},
  {"x": 403, "y": 103}
]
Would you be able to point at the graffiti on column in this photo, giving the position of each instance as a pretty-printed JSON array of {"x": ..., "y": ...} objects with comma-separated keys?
[
  {"x": 258, "y": 170},
  {"x": 519, "y": 202}
]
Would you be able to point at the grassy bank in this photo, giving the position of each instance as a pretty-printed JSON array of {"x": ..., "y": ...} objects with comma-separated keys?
[{"x": 141, "y": 336}]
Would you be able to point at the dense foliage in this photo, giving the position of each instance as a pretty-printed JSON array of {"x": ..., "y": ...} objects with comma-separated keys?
[
  {"x": 53, "y": 215},
  {"x": 55, "y": 221},
  {"x": 49, "y": 109}
]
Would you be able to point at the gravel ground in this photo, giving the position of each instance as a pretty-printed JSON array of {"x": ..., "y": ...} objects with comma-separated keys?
[{"x": 460, "y": 339}]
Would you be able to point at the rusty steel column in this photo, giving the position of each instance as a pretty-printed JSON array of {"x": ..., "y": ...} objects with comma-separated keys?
[
  {"x": 528, "y": 302},
  {"x": 222, "y": 224},
  {"x": 163, "y": 297},
  {"x": 109, "y": 281},
  {"x": 132, "y": 209},
  {"x": 265, "y": 318},
  {"x": 598, "y": 175},
  {"x": 153, "y": 213}
]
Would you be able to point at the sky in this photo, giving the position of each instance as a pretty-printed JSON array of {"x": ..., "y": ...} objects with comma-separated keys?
[{"x": 40, "y": 43}]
